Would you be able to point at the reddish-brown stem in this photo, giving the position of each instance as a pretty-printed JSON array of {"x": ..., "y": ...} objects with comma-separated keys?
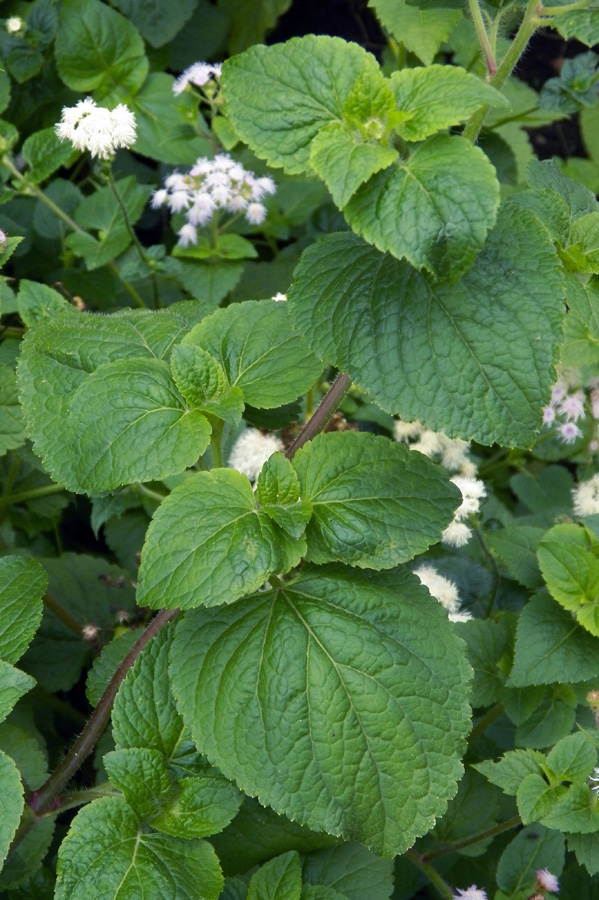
[{"x": 322, "y": 414}]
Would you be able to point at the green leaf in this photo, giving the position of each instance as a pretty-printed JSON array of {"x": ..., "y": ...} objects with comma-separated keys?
[
  {"x": 573, "y": 758},
  {"x": 582, "y": 24},
  {"x": 422, "y": 31},
  {"x": 203, "y": 383},
  {"x": 199, "y": 806},
  {"x": 4, "y": 91},
  {"x": 67, "y": 197},
  {"x": 575, "y": 87},
  {"x": 535, "y": 798},
  {"x": 405, "y": 339},
  {"x": 533, "y": 848},
  {"x": 227, "y": 548},
  {"x": 352, "y": 693},
  {"x": 584, "y": 240},
  {"x": 278, "y": 492},
  {"x": 251, "y": 20},
  {"x": 22, "y": 584},
  {"x": 487, "y": 642},
  {"x": 128, "y": 423},
  {"x": 45, "y": 152},
  {"x": 27, "y": 858},
  {"x": 577, "y": 810},
  {"x": 59, "y": 354},
  {"x": 157, "y": 20},
  {"x": 259, "y": 351},
  {"x": 586, "y": 849},
  {"x": 141, "y": 774},
  {"x": 11, "y": 803},
  {"x": 8, "y": 248},
  {"x": 351, "y": 870},
  {"x": 581, "y": 331},
  {"x": 552, "y": 720},
  {"x": 14, "y": 684},
  {"x": 97, "y": 49},
  {"x": 513, "y": 767},
  {"x": 36, "y": 301},
  {"x": 92, "y": 864},
  {"x": 105, "y": 665},
  {"x": 276, "y": 109},
  {"x": 516, "y": 545},
  {"x": 12, "y": 424},
  {"x": 278, "y": 879},
  {"x": 434, "y": 209},
  {"x": 166, "y": 125},
  {"x": 375, "y": 504},
  {"x": 27, "y": 752},
  {"x": 521, "y": 703},
  {"x": 545, "y": 174},
  {"x": 569, "y": 560},
  {"x": 438, "y": 97}
]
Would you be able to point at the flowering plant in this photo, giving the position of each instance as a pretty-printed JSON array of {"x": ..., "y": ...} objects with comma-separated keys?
[{"x": 299, "y": 502}]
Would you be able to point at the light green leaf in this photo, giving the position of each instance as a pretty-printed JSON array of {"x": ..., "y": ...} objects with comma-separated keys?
[
  {"x": 203, "y": 383},
  {"x": 45, "y": 152},
  {"x": 157, "y": 20},
  {"x": 535, "y": 798},
  {"x": 375, "y": 504},
  {"x": 434, "y": 209},
  {"x": 278, "y": 492},
  {"x": 513, "y": 767},
  {"x": 422, "y": 31},
  {"x": 277, "y": 108},
  {"x": 199, "y": 806},
  {"x": 516, "y": 545},
  {"x": 584, "y": 240},
  {"x": 405, "y": 339},
  {"x": 97, "y": 49},
  {"x": 532, "y": 849},
  {"x": 22, "y": 584},
  {"x": 586, "y": 849},
  {"x": 552, "y": 647},
  {"x": 438, "y": 97},
  {"x": 352, "y": 870},
  {"x": 576, "y": 810},
  {"x": 251, "y": 20},
  {"x": 573, "y": 758},
  {"x": 141, "y": 774},
  {"x": 582, "y": 24},
  {"x": 128, "y": 423},
  {"x": 278, "y": 879},
  {"x": 353, "y": 696},
  {"x": 581, "y": 330},
  {"x": 105, "y": 665},
  {"x": 569, "y": 560},
  {"x": 12, "y": 424},
  {"x": 166, "y": 125},
  {"x": 11, "y": 803},
  {"x": 259, "y": 351},
  {"x": 227, "y": 548},
  {"x": 14, "y": 684},
  {"x": 35, "y": 301},
  {"x": 59, "y": 354},
  {"x": 92, "y": 864}
]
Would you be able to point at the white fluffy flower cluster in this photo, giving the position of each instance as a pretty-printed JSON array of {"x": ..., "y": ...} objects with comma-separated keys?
[
  {"x": 198, "y": 74},
  {"x": 451, "y": 453},
  {"x": 471, "y": 893},
  {"x": 585, "y": 497},
  {"x": 251, "y": 450},
  {"x": 571, "y": 400},
  {"x": 101, "y": 131},
  {"x": 14, "y": 24},
  {"x": 212, "y": 185},
  {"x": 595, "y": 778},
  {"x": 444, "y": 591},
  {"x": 547, "y": 881},
  {"x": 457, "y": 532}
]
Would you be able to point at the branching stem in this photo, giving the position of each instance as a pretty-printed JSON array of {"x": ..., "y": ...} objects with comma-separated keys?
[
  {"x": 444, "y": 849},
  {"x": 431, "y": 873},
  {"x": 322, "y": 413}
]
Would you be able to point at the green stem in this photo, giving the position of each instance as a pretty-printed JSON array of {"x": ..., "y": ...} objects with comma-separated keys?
[
  {"x": 523, "y": 35},
  {"x": 444, "y": 849},
  {"x": 61, "y": 613},
  {"x": 483, "y": 37},
  {"x": 78, "y": 798},
  {"x": 9, "y": 331},
  {"x": 432, "y": 874},
  {"x": 148, "y": 492},
  {"x": 322, "y": 414},
  {"x": 33, "y": 494},
  {"x": 34, "y": 189},
  {"x": 488, "y": 719}
]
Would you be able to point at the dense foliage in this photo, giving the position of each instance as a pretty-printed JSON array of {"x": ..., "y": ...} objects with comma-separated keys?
[{"x": 299, "y": 436}]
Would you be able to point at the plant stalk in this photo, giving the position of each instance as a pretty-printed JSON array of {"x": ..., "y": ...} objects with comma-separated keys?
[
  {"x": 33, "y": 494},
  {"x": 444, "y": 849},
  {"x": 431, "y": 873},
  {"x": 322, "y": 413},
  {"x": 61, "y": 613},
  {"x": 483, "y": 37}
]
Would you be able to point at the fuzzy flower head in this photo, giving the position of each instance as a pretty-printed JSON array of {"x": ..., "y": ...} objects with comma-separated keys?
[
  {"x": 547, "y": 881},
  {"x": 251, "y": 450},
  {"x": 14, "y": 24},
  {"x": 198, "y": 74},
  {"x": 212, "y": 186},
  {"x": 444, "y": 591},
  {"x": 586, "y": 497},
  {"x": 595, "y": 779},
  {"x": 101, "y": 131},
  {"x": 471, "y": 893},
  {"x": 574, "y": 401},
  {"x": 457, "y": 532},
  {"x": 452, "y": 453}
]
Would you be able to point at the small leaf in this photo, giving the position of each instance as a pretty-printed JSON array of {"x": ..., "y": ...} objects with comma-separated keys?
[
  {"x": 227, "y": 549},
  {"x": 203, "y": 383},
  {"x": 421, "y": 30},
  {"x": 278, "y": 879},
  {"x": 352, "y": 692},
  {"x": 278, "y": 492},
  {"x": 14, "y": 684},
  {"x": 259, "y": 351},
  {"x": 45, "y": 152},
  {"x": 142, "y": 776},
  {"x": 513, "y": 767},
  {"x": 35, "y": 301},
  {"x": 375, "y": 504},
  {"x": 569, "y": 560},
  {"x": 22, "y": 584},
  {"x": 573, "y": 758},
  {"x": 576, "y": 810},
  {"x": 138, "y": 865},
  {"x": 535, "y": 798},
  {"x": 199, "y": 806},
  {"x": 158, "y": 20},
  {"x": 11, "y": 803}
]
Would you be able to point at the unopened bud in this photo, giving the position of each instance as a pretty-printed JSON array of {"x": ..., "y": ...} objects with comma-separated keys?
[{"x": 90, "y": 632}]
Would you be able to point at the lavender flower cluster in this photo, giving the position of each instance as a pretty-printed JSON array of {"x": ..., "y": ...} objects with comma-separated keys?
[
  {"x": 571, "y": 400},
  {"x": 212, "y": 185}
]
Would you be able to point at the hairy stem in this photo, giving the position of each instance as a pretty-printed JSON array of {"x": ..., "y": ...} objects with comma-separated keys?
[
  {"x": 432, "y": 874},
  {"x": 61, "y": 613},
  {"x": 322, "y": 413},
  {"x": 33, "y": 494},
  {"x": 444, "y": 849},
  {"x": 483, "y": 37},
  {"x": 527, "y": 28}
]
